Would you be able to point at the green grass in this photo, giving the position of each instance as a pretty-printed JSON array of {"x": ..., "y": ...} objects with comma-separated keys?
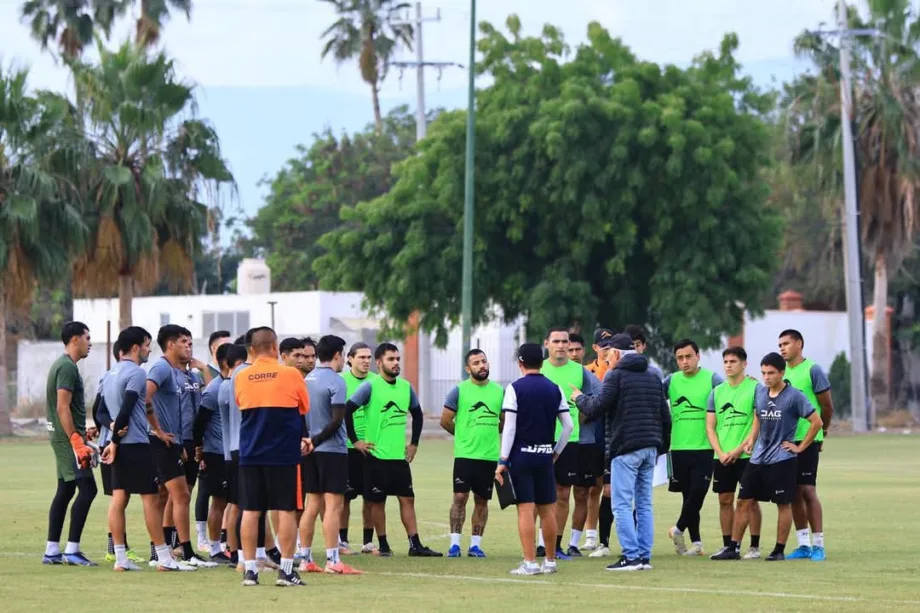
[{"x": 868, "y": 487}]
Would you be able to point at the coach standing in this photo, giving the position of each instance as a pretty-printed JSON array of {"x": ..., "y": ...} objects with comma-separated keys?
[{"x": 638, "y": 427}]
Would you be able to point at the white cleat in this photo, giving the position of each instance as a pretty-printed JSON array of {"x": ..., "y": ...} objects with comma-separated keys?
[
  {"x": 696, "y": 549},
  {"x": 529, "y": 568},
  {"x": 126, "y": 566},
  {"x": 549, "y": 568},
  {"x": 198, "y": 562},
  {"x": 173, "y": 565},
  {"x": 153, "y": 563},
  {"x": 369, "y": 548},
  {"x": 677, "y": 537},
  {"x": 752, "y": 554},
  {"x": 590, "y": 543},
  {"x": 600, "y": 552}
]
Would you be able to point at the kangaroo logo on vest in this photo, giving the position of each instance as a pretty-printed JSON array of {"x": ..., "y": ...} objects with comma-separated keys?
[
  {"x": 734, "y": 414},
  {"x": 686, "y": 409},
  {"x": 486, "y": 412},
  {"x": 393, "y": 413}
]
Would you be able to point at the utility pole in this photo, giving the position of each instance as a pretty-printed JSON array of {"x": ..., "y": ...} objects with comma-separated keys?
[
  {"x": 272, "y": 304},
  {"x": 467, "y": 295}
]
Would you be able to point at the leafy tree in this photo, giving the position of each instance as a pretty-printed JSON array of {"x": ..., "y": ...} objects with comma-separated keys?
[
  {"x": 152, "y": 161},
  {"x": 609, "y": 190},
  {"x": 153, "y": 15},
  {"x": 306, "y": 196},
  {"x": 40, "y": 226},
  {"x": 368, "y": 30}
]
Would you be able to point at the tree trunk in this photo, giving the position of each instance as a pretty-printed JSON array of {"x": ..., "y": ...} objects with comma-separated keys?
[
  {"x": 6, "y": 427},
  {"x": 378, "y": 118},
  {"x": 125, "y": 301},
  {"x": 879, "y": 382}
]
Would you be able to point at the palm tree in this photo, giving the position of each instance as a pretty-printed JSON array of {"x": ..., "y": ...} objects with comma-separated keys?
[
  {"x": 72, "y": 23},
  {"x": 368, "y": 30},
  {"x": 886, "y": 108},
  {"x": 152, "y": 163},
  {"x": 155, "y": 13},
  {"x": 40, "y": 224}
]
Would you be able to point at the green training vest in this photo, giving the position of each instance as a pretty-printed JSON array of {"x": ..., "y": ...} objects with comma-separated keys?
[
  {"x": 734, "y": 413},
  {"x": 352, "y": 383},
  {"x": 387, "y": 414},
  {"x": 688, "y": 397},
  {"x": 570, "y": 373},
  {"x": 800, "y": 378},
  {"x": 476, "y": 435}
]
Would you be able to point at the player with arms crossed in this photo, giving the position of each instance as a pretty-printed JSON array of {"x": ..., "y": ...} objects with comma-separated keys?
[{"x": 472, "y": 415}]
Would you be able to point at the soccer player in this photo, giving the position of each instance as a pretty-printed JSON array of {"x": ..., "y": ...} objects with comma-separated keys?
[
  {"x": 387, "y": 400},
  {"x": 230, "y": 433},
  {"x": 599, "y": 504},
  {"x": 309, "y": 356},
  {"x": 532, "y": 405},
  {"x": 164, "y": 396},
  {"x": 772, "y": 472},
  {"x": 326, "y": 468},
  {"x": 729, "y": 419},
  {"x": 359, "y": 371},
  {"x": 573, "y": 471},
  {"x": 577, "y": 348},
  {"x": 191, "y": 384},
  {"x": 691, "y": 454},
  {"x": 640, "y": 344},
  {"x": 217, "y": 338},
  {"x": 471, "y": 414},
  {"x": 293, "y": 354},
  {"x": 272, "y": 398},
  {"x": 810, "y": 379},
  {"x": 129, "y": 453},
  {"x": 66, "y": 413}
]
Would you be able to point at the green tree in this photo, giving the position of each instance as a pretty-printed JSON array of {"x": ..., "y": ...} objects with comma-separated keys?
[
  {"x": 609, "y": 190},
  {"x": 40, "y": 226},
  {"x": 369, "y": 31},
  {"x": 307, "y": 195},
  {"x": 152, "y": 161}
]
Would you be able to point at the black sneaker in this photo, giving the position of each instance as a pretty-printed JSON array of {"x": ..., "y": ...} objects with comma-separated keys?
[
  {"x": 221, "y": 558},
  {"x": 776, "y": 556},
  {"x": 291, "y": 579},
  {"x": 541, "y": 551},
  {"x": 385, "y": 553},
  {"x": 625, "y": 565},
  {"x": 424, "y": 552},
  {"x": 250, "y": 579},
  {"x": 726, "y": 553},
  {"x": 646, "y": 563},
  {"x": 274, "y": 555},
  {"x": 573, "y": 552}
]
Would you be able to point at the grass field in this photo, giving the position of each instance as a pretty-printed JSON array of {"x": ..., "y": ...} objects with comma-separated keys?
[{"x": 869, "y": 487}]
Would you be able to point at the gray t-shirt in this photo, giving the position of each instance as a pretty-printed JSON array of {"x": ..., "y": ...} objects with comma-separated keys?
[
  {"x": 235, "y": 417},
  {"x": 778, "y": 419},
  {"x": 104, "y": 417},
  {"x": 223, "y": 405},
  {"x": 213, "y": 434},
  {"x": 326, "y": 389},
  {"x": 587, "y": 434},
  {"x": 126, "y": 376},
  {"x": 167, "y": 400},
  {"x": 190, "y": 386}
]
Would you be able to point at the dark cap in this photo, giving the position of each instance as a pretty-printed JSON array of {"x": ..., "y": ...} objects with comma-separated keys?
[
  {"x": 620, "y": 342},
  {"x": 531, "y": 355},
  {"x": 601, "y": 335}
]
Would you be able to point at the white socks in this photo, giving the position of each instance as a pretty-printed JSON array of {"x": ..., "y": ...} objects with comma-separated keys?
[
  {"x": 72, "y": 547},
  {"x": 576, "y": 538},
  {"x": 121, "y": 555},
  {"x": 306, "y": 553},
  {"x": 52, "y": 549},
  {"x": 476, "y": 541},
  {"x": 163, "y": 553},
  {"x": 454, "y": 539},
  {"x": 817, "y": 539},
  {"x": 215, "y": 548},
  {"x": 540, "y": 542},
  {"x": 287, "y": 565},
  {"x": 804, "y": 537},
  {"x": 201, "y": 527},
  {"x": 251, "y": 566},
  {"x": 332, "y": 555},
  {"x": 591, "y": 534},
  {"x": 260, "y": 553}
]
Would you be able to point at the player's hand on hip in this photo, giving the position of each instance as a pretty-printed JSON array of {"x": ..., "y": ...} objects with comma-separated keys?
[
  {"x": 364, "y": 447},
  {"x": 790, "y": 446},
  {"x": 411, "y": 450}
]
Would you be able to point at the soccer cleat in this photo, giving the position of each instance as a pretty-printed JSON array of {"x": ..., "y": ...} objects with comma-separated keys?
[
  {"x": 541, "y": 551},
  {"x": 340, "y": 568},
  {"x": 267, "y": 563},
  {"x": 220, "y": 559},
  {"x": 548, "y": 568},
  {"x": 802, "y": 552},
  {"x": 817, "y": 554},
  {"x": 590, "y": 543},
  {"x": 53, "y": 560},
  {"x": 152, "y": 563},
  {"x": 291, "y": 579},
  {"x": 695, "y": 549},
  {"x": 475, "y": 552},
  {"x": 127, "y": 566},
  {"x": 775, "y": 557},
  {"x": 454, "y": 552},
  {"x": 646, "y": 564},
  {"x": 677, "y": 537},
  {"x": 78, "y": 559},
  {"x": 369, "y": 548},
  {"x": 345, "y": 550},
  {"x": 240, "y": 567},
  {"x": 134, "y": 557},
  {"x": 309, "y": 566},
  {"x": 528, "y": 568},
  {"x": 561, "y": 555},
  {"x": 424, "y": 552},
  {"x": 726, "y": 553},
  {"x": 625, "y": 565},
  {"x": 385, "y": 553},
  {"x": 109, "y": 557},
  {"x": 199, "y": 562},
  {"x": 250, "y": 579},
  {"x": 172, "y": 565},
  {"x": 204, "y": 546},
  {"x": 573, "y": 552},
  {"x": 275, "y": 556},
  {"x": 601, "y": 552},
  {"x": 752, "y": 554}
]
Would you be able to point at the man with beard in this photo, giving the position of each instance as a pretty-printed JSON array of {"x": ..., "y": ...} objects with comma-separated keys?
[
  {"x": 471, "y": 414},
  {"x": 388, "y": 400}
]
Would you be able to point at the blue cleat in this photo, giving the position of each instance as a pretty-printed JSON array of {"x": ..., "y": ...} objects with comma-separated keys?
[
  {"x": 454, "y": 552},
  {"x": 817, "y": 554},
  {"x": 561, "y": 555},
  {"x": 78, "y": 559},
  {"x": 476, "y": 552},
  {"x": 801, "y": 553},
  {"x": 53, "y": 560}
]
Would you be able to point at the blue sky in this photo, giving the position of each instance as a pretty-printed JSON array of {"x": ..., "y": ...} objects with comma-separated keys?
[{"x": 261, "y": 82}]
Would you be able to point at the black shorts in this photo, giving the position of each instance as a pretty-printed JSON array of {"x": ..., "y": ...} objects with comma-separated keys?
[
  {"x": 168, "y": 460},
  {"x": 690, "y": 470},
  {"x": 808, "y": 464},
  {"x": 106, "y": 471},
  {"x": 532, "y": 477},
  {"x": 214, "y": 475},
  {"x": 567, "y": 469},
  {"x": 134, "y": 470},
  {"x": 270, "y": 488},
  {"x": 475, "y": 475},
  {"x": 384, "y": 478},
  {"x": 190, "y": 465},
  {"x": 770, "y": 482},
  {"x": 325, "y": 472},
  {"x": 591, "y": 464},
  {"x": 725, "y": 479},
  {"x": 355, "y": 474},
  {"x": 233, "y": 478}
]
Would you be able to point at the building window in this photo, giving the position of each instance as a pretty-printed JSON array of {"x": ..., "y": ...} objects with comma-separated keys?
[
  {"x": 235, "y": 322},
  {"x": 164, "y": 319}
]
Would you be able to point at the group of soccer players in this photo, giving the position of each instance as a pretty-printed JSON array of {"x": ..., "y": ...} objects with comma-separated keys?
[{"x": 279, "y": 434}]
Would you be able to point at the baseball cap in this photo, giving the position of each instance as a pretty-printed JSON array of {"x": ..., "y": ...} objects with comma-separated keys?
[
  {"x": 531, "y": 354},
  {"x": 620, "y": 342},
  {"x": 601, "y": 335}
]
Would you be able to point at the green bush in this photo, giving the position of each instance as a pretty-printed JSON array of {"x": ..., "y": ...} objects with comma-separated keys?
[{"x": 839, "y": 377}]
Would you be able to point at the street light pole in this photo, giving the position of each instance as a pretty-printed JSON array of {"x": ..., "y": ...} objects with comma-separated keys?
[
  {"x": 272, "y": 304},
  {"x": 467, "y": 294}
]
